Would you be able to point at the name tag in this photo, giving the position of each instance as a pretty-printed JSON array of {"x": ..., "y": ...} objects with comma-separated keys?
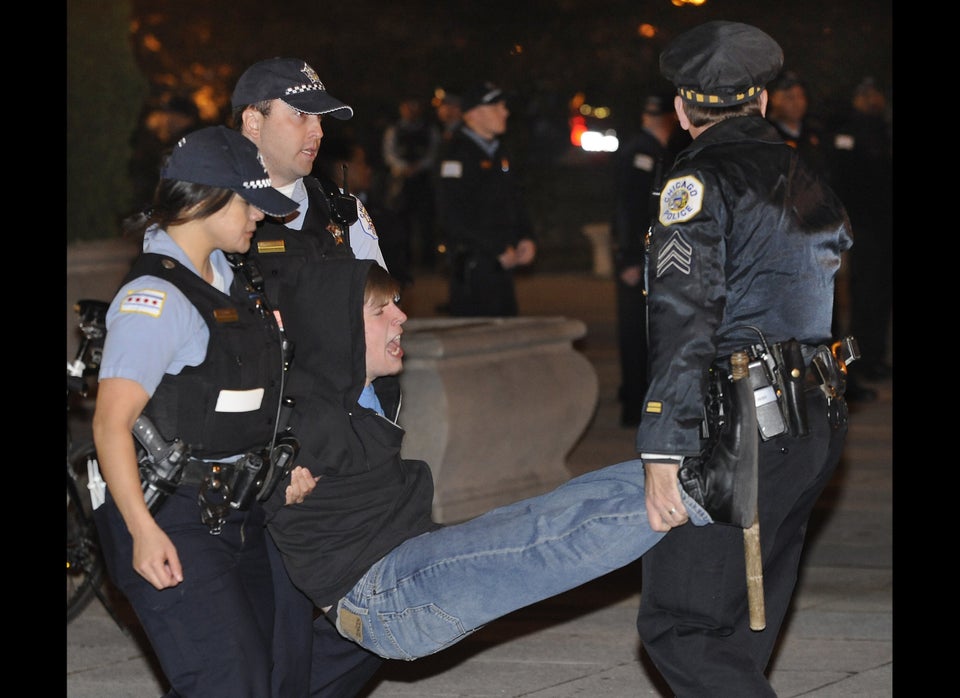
[
  {"x": 643, "y": 161},
  {"x": 451, "y": 168},
  {"x": 239, "y": 400},
  {"x": 268, "y": 246}
]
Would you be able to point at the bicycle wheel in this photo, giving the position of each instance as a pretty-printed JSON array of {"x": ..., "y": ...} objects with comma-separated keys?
[{"x": 84, "y": 561}]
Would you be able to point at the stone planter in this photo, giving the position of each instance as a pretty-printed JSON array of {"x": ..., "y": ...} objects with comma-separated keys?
[{"x": 494, "y": 406}]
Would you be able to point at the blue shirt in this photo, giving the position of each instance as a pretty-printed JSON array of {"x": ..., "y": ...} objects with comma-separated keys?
[
  {"x": 152, "y": 328},
  {"x": 368, "y": 398}
]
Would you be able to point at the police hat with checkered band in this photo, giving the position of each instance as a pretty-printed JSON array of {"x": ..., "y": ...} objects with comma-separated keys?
[
  {"x": 290, "y": 80},
  {"x": 221, "y": 157},
  {"x": 719, "y": 64}
]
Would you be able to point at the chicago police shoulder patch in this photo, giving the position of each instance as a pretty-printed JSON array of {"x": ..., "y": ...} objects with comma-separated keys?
[
  {"x": 366, "y": 221},
  {"x": 681, "y": 200}
]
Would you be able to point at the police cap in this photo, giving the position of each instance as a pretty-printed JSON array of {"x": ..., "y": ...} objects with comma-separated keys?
[
  {"x": 719, "y": 64},
  {"x": 785, "y": 81},
  {"x": 658, "y": 104},
  {"x": 291, "y": 80},
  {"x": 221, "y": 157},
  {"x": 481, "y": 95}
]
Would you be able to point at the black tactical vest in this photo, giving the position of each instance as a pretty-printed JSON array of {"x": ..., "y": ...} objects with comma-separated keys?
[{"x": 243, "y": 354}]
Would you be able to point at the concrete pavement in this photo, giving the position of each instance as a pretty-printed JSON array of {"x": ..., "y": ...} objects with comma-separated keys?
[{"x": 838, "y": 640}]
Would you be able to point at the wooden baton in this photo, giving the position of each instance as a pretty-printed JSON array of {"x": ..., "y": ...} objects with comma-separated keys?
[{"x": 740, "y": 370}]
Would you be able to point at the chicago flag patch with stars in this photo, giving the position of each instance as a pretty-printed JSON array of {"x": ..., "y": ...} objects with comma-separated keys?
[{"x": 146, "y": 301}]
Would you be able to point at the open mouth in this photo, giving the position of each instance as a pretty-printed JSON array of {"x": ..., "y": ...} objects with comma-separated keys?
[{"x": 394, "y": 349}]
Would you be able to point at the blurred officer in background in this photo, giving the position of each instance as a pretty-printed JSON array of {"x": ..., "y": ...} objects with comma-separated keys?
[
  {"x": 482, "y": 215},
  {"x": 640, "y": 165}
]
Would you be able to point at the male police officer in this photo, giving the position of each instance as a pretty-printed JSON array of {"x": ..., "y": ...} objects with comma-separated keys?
[
  {"x": 279, "y": 104},
  {"x": 747, "y": 241},
  {"x": 480, "y": 209}
]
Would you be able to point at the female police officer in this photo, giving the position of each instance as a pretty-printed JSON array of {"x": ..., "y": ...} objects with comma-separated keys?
[{"x": 190, "y": 347}]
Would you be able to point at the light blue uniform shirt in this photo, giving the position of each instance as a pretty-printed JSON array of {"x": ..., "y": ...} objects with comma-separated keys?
[{"x": 152, "y": 328}]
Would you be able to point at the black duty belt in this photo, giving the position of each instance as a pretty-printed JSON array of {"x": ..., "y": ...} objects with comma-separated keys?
[{"x": 196, "y": 470}]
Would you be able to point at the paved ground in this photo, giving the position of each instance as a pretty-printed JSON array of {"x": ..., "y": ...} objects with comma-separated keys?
[{"x": 838, "y": 640}]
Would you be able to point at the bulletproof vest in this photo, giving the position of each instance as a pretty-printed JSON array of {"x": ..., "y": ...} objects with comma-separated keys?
[
  {"x": 243, "y": 353},
  {"x": 279, "y": 251}
]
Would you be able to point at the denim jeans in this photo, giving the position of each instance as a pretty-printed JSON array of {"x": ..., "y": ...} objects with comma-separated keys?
[{"x": 434, "y": 590}]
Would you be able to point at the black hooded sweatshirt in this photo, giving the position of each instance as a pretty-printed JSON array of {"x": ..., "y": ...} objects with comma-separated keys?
[{"x": 368, "y": 500}]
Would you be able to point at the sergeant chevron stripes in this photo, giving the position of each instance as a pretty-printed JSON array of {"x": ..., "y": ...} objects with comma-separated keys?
[{"x": 677, "y": 253}]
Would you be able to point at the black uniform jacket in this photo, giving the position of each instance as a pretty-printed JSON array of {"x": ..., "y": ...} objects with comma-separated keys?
[
  {"x": 479, "y": 200},
  {"x": 368, "y": 500},
  {"x": 746, "y": 236}
]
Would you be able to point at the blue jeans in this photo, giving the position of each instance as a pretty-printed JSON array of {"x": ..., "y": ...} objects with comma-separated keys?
[{"x": 434, "y": 590}]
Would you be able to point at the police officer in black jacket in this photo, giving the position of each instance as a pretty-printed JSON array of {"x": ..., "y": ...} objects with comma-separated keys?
[
  {"x": 863, "y": 177},
  {"x": 480, "y": 209},
  {"x": 747, "y": 241}
]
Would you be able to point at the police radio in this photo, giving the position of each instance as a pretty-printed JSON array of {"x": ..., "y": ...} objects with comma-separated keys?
[{"x": 343, "y": 207}]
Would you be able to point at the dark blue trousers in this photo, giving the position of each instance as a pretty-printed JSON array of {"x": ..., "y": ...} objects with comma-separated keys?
[
  {"x": 212, "y": 633},
  {"x": 694, "y": 619}
]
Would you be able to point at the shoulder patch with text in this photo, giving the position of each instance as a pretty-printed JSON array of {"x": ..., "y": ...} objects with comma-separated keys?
[
  {"x": 145, "y": 301},
  {"x": 681, "y": 200},
  {"x": 366, "y": 221}
]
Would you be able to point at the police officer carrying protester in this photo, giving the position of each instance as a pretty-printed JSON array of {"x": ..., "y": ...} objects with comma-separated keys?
[
  {"x": 192, "y": 366},
  {"x": 280, "y": 105},
  {"x": 742, "y": 257},
  {"x": 480, "y": 209}
]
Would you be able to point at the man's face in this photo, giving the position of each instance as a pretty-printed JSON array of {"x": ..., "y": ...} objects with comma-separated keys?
[
  {"x": 789, "y": 105},
  {"x": 288, "y": 140},
  {"x": 870, "y": 101},
  {"x": 488, "y": 120},
  {"x": 382, "y": 327}
]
